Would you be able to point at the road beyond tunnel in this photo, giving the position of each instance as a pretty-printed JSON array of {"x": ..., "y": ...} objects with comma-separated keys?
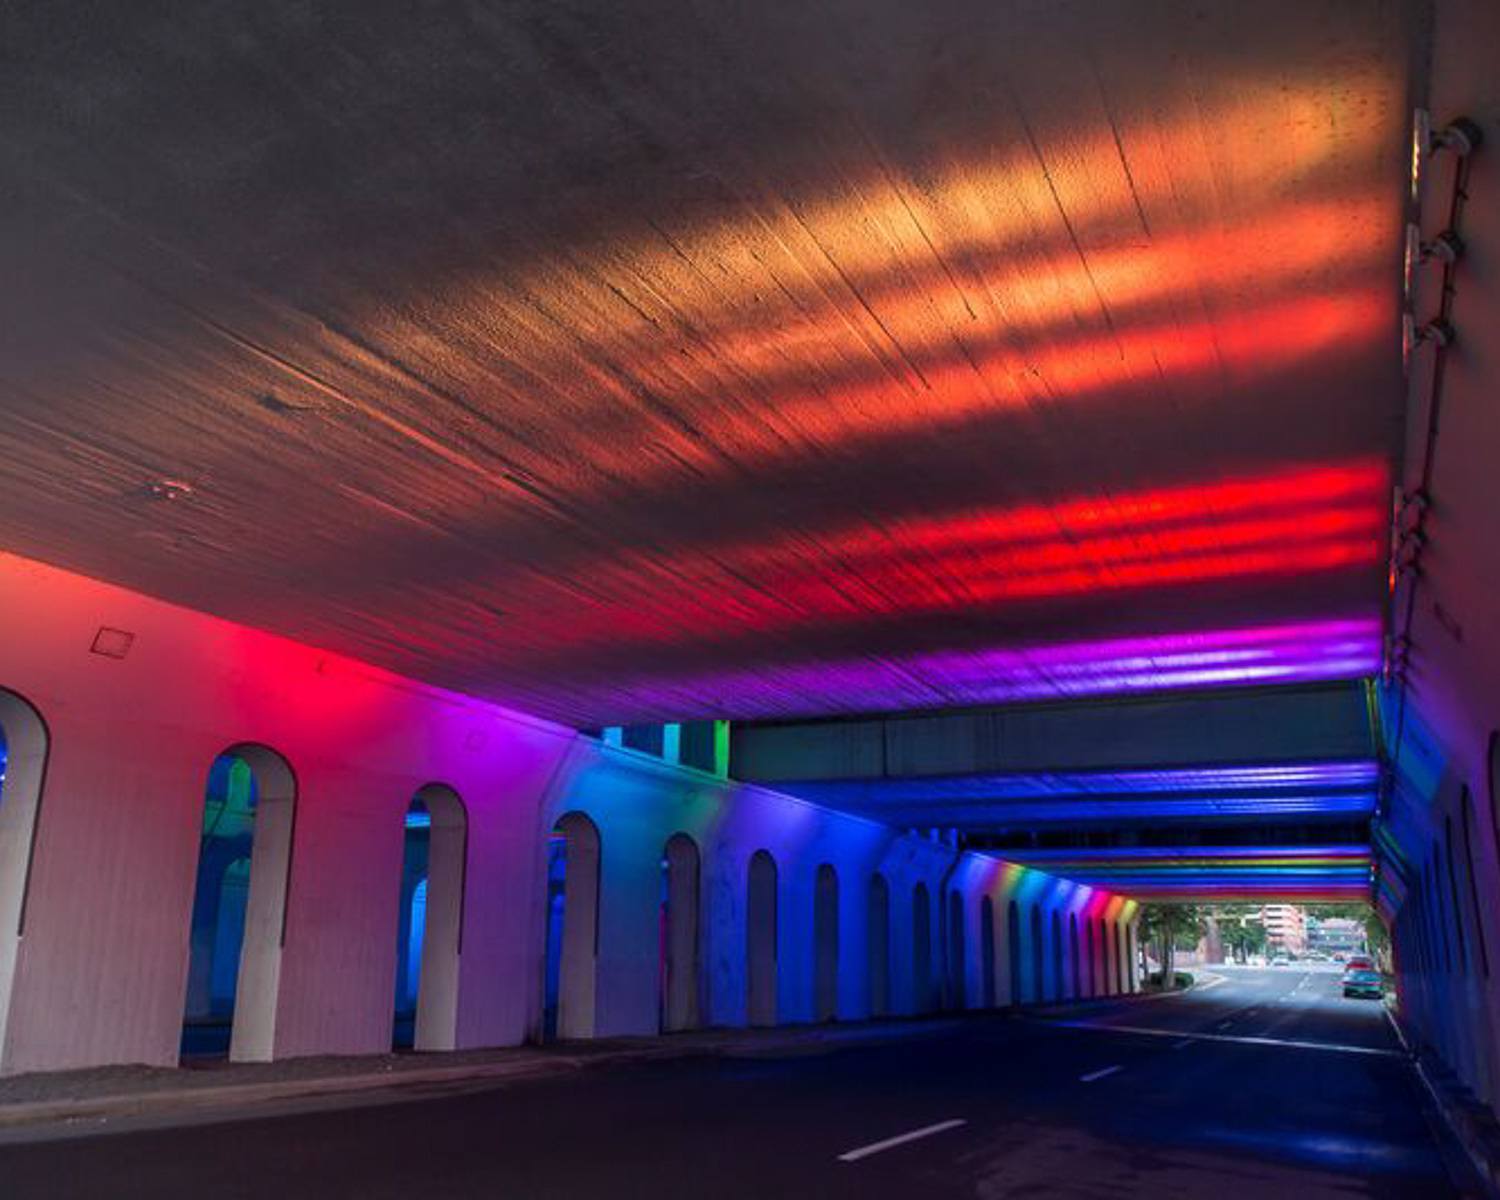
[{"x": 1258, "y": 1082}]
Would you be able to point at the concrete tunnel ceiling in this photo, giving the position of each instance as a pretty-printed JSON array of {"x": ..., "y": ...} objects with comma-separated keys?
[{"x": 658, "y": 361}]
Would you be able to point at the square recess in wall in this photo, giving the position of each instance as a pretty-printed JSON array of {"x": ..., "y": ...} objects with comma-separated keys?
[{"x": 112, "y": 643}]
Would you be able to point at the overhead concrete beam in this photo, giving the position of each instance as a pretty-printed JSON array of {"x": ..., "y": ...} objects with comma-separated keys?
[{"x": 1272, "y": 725}]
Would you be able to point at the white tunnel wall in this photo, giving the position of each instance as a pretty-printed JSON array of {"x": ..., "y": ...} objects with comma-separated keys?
[{"x": 100, "y": 971}]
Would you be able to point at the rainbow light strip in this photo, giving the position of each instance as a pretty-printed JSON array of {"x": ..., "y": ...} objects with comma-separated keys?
[
  {"x": 996, "y": 801},
  {"x": 1289, "y": 652},
  {"x": 1250, "y": 872}
]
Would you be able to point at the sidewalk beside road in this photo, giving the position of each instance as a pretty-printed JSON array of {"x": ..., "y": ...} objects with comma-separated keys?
[{"x": 78, "y": 1100}]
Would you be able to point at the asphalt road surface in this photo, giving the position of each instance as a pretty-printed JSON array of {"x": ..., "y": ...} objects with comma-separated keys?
[{"x": 1267, "y": 1084}]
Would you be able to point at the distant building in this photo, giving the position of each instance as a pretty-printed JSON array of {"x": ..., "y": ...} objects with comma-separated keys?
[
  {"x": 1286, "y": 929},
  {"x": 1335, "y": 935}
]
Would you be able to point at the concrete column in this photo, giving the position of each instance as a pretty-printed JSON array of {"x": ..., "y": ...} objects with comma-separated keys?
[
  {"x": 100, "y": 975},
  {"x": 20, "y": 803},
  {"x": 671, "y": 743},
  {"x": 721, "y": 749},
  {"x": 922, "y": 960},
  {"x": 442, "y": 936},
  {"x": 578, "y": 990}
]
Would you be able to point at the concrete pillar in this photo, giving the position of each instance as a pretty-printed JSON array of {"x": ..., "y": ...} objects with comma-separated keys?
[
  {"x": 671, "y": 743},
  {"x": 100, "y": 975},
  {"x": 577, "y": 993},
  {"x": 955, "y": 958},
  {"x": 721, "y": 749},
  {"x": 25, "y": 737},
  {"x": 442, "y": 937}
]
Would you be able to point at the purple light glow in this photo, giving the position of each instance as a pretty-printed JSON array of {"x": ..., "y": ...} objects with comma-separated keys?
[{"x": 1298, "y": 652}]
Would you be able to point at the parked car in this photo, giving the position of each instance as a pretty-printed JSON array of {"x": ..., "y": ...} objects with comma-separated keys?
[
  {"x": 1281, "y": 960},
  {"x": 1359, "y": 962},
  {"x": 1364, "y": 982}
]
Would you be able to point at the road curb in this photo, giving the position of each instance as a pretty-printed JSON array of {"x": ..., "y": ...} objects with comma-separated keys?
[
  {"x": 1468, "y": 1121},
  {"x": 231, "y": 1097}
]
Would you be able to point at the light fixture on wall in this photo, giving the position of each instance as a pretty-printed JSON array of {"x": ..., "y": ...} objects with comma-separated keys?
[
  {"x": 112, "y": 643},
  {"x": 1446, "y": 248},
  {"x": 1461, "y": 137},
  {"x": 1437, "y": 331}
]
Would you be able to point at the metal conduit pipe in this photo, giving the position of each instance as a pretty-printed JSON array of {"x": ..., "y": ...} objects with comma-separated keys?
[{"x": 1462, "y": 137}]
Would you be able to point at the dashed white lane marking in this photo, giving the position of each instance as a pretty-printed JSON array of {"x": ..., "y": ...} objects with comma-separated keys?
[
  {"x": 1093, "y": 1075},
  {"x": 1182, "y": 1045},
  {"x": 900, "y": 1140},
  {"x": 1225, "y": 1024},
  {"x": 1237, "y": 1039}
]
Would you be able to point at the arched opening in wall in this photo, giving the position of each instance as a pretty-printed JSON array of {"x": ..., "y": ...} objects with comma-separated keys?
[
  {"x": 1013, "y": 952},
  {"x": 1035, "y": 992},
  {"x": 1059, "y": 960},
  {"x": 987, "y": 950},
  {"x": 958, "y": 965},
  {"x": 760, "y": 939},
  {"x": 921, "y": 949},
  {"x": 572, "y": 935},
  {"x": 1075, "y": 978},
  {"x": 429, "y": 925},
  {"x": 826, "y": 944},
  {"x": 679, "y": 934},
  {"x": 878, "y": 944},
  {"x": 23, "y": 766},
  {"x": 238, "y": 924},
  {"x": 1481, "y": 933}
]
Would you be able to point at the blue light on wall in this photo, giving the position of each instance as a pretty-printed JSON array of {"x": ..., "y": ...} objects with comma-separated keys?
[{"x": 1347, "y": 788}]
